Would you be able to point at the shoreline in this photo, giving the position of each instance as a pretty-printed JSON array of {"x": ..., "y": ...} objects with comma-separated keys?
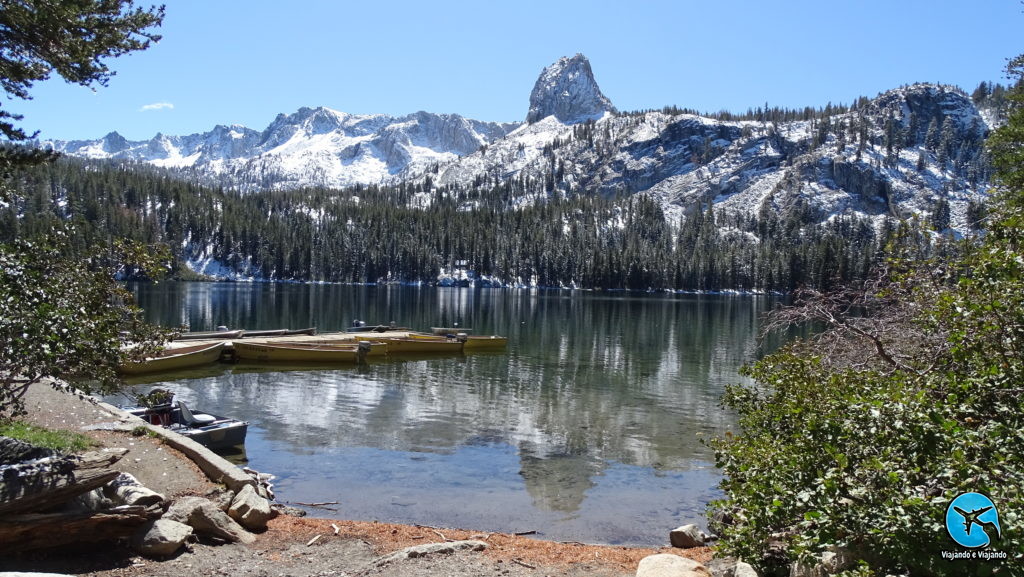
[{"x": 161, "y": 466}]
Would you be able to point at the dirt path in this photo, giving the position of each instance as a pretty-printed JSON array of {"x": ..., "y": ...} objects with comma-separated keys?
[{"x": 288, "y": 546}]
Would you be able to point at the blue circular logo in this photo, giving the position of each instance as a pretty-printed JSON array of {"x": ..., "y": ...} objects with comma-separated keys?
[{"x": 972, "y": 520}]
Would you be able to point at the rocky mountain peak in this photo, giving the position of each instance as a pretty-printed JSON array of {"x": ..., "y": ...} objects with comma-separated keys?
[{"x": 567, "y": 90}]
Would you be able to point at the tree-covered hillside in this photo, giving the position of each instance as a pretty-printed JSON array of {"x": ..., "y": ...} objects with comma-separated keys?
[{"x": 416, "y": 232}]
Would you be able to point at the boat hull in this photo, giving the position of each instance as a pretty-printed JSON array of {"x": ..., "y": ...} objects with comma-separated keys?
[
  {"x": 311, "y": 353},
  {"x": 173, "y": 359},
  {"x": 485, "y": 342},
  {"x": 220, "y": 434},
  {"x": 398, "y": 346},
  {"x": 210, "y": 335}
]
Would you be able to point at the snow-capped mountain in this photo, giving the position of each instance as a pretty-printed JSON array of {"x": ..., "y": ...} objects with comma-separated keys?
[
  {"x": 902, "y": 153},
  {"x": 312, "y": 147},
  {"x": 907, "y": 151},
  {"x": 567, "y": 90}
]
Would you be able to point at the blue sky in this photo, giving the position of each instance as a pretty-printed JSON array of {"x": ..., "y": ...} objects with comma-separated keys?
[{"x": 245, "y": 61}]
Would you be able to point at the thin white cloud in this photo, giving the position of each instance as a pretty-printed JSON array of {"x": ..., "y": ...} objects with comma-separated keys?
[{"x": 157, "y": 106}]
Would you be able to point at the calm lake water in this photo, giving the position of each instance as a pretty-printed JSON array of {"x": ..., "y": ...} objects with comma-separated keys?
[{"x": 587, "y": 428}]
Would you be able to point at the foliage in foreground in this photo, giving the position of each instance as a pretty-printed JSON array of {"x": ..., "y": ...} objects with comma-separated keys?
[
  {"x": 862, "y": 436},
  {"x": 62, "y": 315},
  {"x": 61, "y": 319},
  {"x": 60, "y": 441}
]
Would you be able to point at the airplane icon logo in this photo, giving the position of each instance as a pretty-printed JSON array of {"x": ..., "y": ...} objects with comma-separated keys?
[{"x": 967, "y": 511}]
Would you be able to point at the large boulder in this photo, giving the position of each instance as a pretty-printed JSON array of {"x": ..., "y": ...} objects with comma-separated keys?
[
  {"x": 666, "y": 565},
  {"x": 687, "y": 536},
  {"x": 251, "y": 510},
  {"x": 204, "y": 516},
  {"x": 161, "y": 538}
]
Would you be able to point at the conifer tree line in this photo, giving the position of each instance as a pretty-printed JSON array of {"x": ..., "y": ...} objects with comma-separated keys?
[{"x": 372, "y": 234}]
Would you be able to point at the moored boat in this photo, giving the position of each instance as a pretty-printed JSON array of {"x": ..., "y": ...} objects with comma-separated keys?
[
  {"x": 278, "y": 332},
  {"x": 171, "y": 359},
  {"x": 469, "y": 341},
  {"x": 376, "y": 349},
  {"x": 423, "y": 344},
  {"x": 302, "y": 352},
  {"x": 481, "y": 342},
  {"x": 209, "y": 335},
  {"x": 449, "y": 330},
  {"x": 265, "y": 333},
  {"x": 212, "y": 431}
]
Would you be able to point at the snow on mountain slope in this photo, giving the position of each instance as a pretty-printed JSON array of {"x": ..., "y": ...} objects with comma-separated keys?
[
  {"x": 899, "y": 154},
  {"x": 903, "y": 153},
  {"x": 312, "y": 147}
]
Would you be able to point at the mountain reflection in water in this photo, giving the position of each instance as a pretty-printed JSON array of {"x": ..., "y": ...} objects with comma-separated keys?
[{"x": 587, "y": 428}]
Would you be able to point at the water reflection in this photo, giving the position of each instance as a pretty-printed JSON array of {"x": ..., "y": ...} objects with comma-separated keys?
[{"x": 588, "y": 426}]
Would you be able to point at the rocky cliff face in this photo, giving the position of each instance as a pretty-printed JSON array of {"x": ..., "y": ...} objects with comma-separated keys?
[{"x": 567, "y": 90}]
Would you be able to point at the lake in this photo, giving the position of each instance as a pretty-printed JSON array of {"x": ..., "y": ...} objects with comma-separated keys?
[{"x": 587, "y": 428}]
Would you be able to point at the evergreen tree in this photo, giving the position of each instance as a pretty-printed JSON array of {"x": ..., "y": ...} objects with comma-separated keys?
[{"x": 61, "y": 316}]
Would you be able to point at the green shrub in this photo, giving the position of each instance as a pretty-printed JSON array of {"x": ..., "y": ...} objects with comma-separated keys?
[{"x": 862, "y": 436}]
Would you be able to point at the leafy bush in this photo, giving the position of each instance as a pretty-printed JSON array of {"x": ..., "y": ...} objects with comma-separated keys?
[{"x": 862, "y": 436}]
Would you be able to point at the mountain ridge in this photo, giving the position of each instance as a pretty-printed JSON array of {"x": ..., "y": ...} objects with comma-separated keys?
[{"x": 910, "y": 150}]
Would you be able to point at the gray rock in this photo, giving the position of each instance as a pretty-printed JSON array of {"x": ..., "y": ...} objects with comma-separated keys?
[
  {"x": 221, "y": 497},
  {"x": 431, "y": 549},
  {"x": 832, "y": 561},
  {"x": 744, "y": 570},
  {"x": 207, "y": 519},
  {"x": 250, "y": 509},
  {"x": 161, "y": 537},
  {"x": 286, "y": 510},
  {"x": 666, "y": 565},
  {"x": 730, "y": 567},
  {"x": 687, "y": 536}
]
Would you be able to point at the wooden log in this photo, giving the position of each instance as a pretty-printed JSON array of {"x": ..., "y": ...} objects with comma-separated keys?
[
  {"x": 126, "y": 490},
  {"x": 45, "y": 530},
  {"x": 46, "y": 483}
]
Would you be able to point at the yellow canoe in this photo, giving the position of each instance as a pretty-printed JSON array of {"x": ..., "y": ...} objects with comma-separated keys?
[
  {"x": 306, "y": 353},
  {"x": 470, "y": 341},
  {"x": 419, "y": 344},
  {"x": 172, "y": 359},
  {"x": 474, "y": 342},
  {"x": 376, "y": 349}
]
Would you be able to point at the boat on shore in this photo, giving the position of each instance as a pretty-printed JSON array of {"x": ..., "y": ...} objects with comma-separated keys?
[
  {"x": 305, "y": 352},
  {"x": 211, "y": 431},
  {"x": 176, "y": 358}
]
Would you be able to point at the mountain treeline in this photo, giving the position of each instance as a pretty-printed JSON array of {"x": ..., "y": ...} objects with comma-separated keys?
[{"x": 416, "y": 232}]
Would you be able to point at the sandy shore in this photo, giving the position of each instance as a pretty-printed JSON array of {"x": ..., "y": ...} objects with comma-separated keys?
[{"x": 342, "y": 548}]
